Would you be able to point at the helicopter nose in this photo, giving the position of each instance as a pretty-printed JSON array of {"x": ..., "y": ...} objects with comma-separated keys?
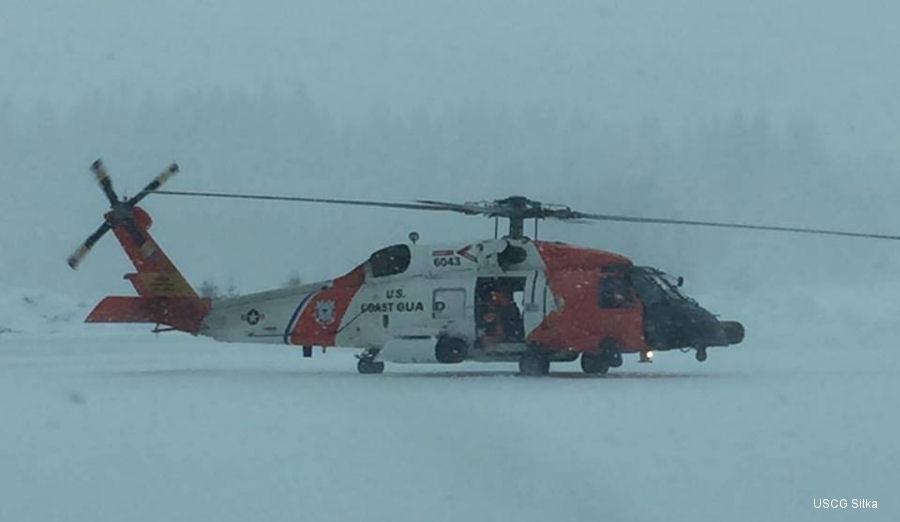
[
  {"x": 698, "y": 327},
  {"x": 719, "y": 333},
  {"x": 682, "y": 325},
  {"x": 732, "y": 331}
]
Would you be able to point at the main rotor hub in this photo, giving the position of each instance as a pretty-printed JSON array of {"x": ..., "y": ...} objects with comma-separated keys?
[{"x": 519, "y": 208}]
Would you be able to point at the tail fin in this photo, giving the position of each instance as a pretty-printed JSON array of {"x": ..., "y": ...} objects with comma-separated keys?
[
  {"x": 165, "y": 296},
  {"x": 156, "y": 276}
]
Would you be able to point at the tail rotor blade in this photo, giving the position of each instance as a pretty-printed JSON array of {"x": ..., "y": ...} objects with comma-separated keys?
[
  {"x": 75, "y": 259},
  {"x": 157, "y": 182},
  {"x": 99, "y": 170}
]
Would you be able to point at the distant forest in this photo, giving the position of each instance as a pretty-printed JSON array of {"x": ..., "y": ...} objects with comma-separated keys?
[{"x": 742, "y": 166}]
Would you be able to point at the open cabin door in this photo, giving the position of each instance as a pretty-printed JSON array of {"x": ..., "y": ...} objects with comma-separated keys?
[
  {"x": 534, "y": 300},
  {"x": 498, "y": 312}
]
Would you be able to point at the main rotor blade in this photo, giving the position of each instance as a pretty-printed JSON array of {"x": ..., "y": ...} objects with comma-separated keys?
[
  {"x": 157, "y": 182},
  {"x": 102, "y": 176},
  {"x": 561, "y": 212},
  {"x": 465, "y": 208},
  {"x": 663, "y": 221},
  {"x": 356, "y": 202},
  {"x": 75, "y": 259}
]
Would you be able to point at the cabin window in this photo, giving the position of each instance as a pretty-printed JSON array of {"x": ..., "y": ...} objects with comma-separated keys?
[
  {"x": 615, "y": 293},
  {"x": 390, "y": 261}
]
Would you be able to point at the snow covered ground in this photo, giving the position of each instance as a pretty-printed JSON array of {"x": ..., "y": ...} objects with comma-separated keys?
[{"x": 101, "y": 422}]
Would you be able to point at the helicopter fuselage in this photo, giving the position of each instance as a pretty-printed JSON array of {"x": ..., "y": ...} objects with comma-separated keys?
[{"x": 488, "y": 300}]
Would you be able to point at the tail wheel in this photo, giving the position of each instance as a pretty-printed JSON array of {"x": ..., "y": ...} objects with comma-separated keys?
[
  {"x": 595, "y": 362},
  {"x": 534, "y": 363},
  {"x": 368, "y": 366},
  {"x": 367, "y": 363}
]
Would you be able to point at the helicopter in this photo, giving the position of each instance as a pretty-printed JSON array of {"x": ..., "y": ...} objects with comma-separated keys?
[{"x": 503, "y": 299}]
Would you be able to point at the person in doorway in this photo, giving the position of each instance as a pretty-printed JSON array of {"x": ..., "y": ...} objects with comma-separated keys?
[{"x": 508, "y": 319}]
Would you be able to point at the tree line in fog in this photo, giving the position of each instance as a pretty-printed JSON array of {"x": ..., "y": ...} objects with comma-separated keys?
[{"x": 741, "y": 166}]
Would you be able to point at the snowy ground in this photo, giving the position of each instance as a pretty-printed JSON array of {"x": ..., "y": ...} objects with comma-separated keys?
[{"x": 112, "y": 423}]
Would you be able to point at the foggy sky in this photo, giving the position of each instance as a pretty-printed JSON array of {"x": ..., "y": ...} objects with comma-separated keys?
[
  {"x": 832, "y": 59},
  {"x": 768, "y": 112}
]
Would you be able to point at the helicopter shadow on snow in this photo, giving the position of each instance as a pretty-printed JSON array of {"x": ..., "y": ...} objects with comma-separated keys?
[
  {"x": 299, "y": 374},
  {"x": 569, "y": 375}
]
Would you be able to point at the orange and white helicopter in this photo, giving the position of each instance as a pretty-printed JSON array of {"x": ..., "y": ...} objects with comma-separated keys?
[{"x": 509, "y": 298}]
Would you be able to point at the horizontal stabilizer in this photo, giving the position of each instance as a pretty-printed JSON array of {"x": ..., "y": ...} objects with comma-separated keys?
[{"x": 181, "y": 313}]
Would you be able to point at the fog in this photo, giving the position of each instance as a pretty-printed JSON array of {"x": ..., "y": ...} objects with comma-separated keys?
[
  {"x": 766, "y": 112},
  {"x": 759, "y": 112}
]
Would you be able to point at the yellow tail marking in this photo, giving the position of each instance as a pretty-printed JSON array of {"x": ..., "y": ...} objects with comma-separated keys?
[{"x": 164, "y": 284}]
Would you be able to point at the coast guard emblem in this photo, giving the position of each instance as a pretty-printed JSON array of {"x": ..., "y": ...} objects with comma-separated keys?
[{"x": 324, "y": 312}]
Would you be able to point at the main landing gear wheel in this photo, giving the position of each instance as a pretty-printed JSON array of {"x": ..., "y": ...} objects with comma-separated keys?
[
  {"x": 595, "y": 362},
  {"x": 701, "y": 354},
  {"x": 534, "y": 363},
  {"x": 608, "y": 355}
]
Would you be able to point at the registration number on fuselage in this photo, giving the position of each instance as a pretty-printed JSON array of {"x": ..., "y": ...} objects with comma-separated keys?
[{"x": 447, "y": 261}]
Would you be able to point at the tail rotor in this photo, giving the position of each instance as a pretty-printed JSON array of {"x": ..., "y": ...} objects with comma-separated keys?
[
  {"x": 105, "y": 183},
  {"x": 121, "y": 210}
]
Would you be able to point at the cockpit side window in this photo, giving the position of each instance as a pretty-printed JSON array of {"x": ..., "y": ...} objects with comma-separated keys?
[
  {"x": 390, "y": 261},
  {"x": 615, "y": 292},
  {"x": 653, "y": 285},
  {"x": 648, "y": 291}
]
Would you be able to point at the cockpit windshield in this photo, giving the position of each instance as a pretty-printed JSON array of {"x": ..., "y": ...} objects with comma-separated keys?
[
  {"x": 388, "y": 261},
  {"x": 653, "y": 285}
]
